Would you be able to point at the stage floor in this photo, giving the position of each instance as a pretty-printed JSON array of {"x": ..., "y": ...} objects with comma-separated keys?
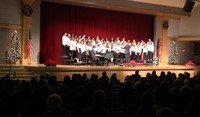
[{"x": 61, "y": 70}]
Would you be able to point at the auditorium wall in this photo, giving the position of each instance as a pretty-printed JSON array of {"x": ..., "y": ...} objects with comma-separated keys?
[
  {"x": 186, "y": 51},
  {"x": 190, "y": 26},
  {"x": 11, "y": 11},
  {"x": 187, "y": 26},
  {"x": 10, "y": 19},
  {"x": 11, "y": 14},
  {"x": 157, "y": 32},
  {"x": 36, "y": 32}
]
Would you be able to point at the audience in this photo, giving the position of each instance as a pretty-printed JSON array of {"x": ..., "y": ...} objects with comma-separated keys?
[{"x": 164, "y": 95}]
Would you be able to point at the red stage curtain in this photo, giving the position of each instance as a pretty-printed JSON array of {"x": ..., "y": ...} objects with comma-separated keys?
[{"x": 59, "y": 18}]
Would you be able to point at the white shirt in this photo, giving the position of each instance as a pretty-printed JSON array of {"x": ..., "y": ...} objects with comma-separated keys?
[
  {"x": 114, "y": 48},
  {"x": 88, "y": 48},
  {"x": 95, "y": 49},
  {"x": 117, "y": 48},
  {"x": 122, "y": 50},
  {"x": 83, "y": 48},
  {"x": 104, "y": 49},
  {"x": 65, "y": 40},
  {"x": 138, "y": 49},
  {"x": 109, "y": 48},
  {"x": 72, "y": 45},
  {"x": 133, "y": 48},
  {"x": 99, "y": 49},
  {"x": 150, "y": 46},
  {"x": 145, "y": 50},
  {"x": 78, "y": 45}
]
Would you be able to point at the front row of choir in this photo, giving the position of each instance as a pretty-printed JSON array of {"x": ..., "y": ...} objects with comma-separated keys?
[{"x": 85, "y": 48}]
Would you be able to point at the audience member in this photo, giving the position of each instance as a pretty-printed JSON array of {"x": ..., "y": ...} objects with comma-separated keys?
[
  {"x": 54, "y": 107},
  {"x": 165, "y": 112},
  {"x": 98, "y": 108}
]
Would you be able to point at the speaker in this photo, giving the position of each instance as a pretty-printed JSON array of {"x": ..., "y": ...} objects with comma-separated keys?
[{"x": 188, "y": 6}]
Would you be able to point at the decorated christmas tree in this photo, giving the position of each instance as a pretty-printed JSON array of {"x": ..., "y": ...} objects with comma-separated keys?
[
  {"x": 18, "y": 54},
  {"x": 15, "y": 48},
  {"x": 173, "y": 57}
]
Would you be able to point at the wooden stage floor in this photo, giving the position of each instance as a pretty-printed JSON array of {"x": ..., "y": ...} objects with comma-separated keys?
[{"x": 61, "y": 70}]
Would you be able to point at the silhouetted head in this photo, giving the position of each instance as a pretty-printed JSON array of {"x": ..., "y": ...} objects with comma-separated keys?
[
  {"x": 165, "y": 112},
  {"x": 104, "y": 74},
  {"x": 119, "y": 114},
  {"x": 66, "y": 79},
  {"x": 137, "y": 72},
  {"x": 147, "y": 99},
  {"x": 54, "y": 101},
  {"x": 98, "y": 97},
  {"x": 131, "y": 110}
]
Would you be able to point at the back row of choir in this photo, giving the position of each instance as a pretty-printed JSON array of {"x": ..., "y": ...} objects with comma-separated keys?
[{"x": 83, "y": 48}]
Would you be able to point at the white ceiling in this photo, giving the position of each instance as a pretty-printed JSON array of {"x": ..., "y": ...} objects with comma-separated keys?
[
  {"x": 172, "y": 3},
  {"x": 155, "y": 7}
]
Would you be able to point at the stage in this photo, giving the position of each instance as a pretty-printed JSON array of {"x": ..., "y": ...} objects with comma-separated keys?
[{"x": 61, "y": 70}]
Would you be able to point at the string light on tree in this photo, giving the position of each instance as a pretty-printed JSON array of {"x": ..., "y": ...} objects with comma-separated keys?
[
  {"x": 173, "y": 57},
  {"x": 15, "y": 48}
]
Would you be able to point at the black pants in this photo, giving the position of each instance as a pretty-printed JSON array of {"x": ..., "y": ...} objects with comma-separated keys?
[
  {"x": 66, "y": 50},
  {"x": 144, "y": 56},
  {"x": 150, "y": 55},
  {"x": 79, "y": 55},
  {"x": 73, "y": 54},
  {"x": 133, "y": 56},
  {"x": 127, "y": 57},
  {"x": 122, "y": 56},
  {"x": 138, "y": 57},
  {"x": 116, "y": 56}
]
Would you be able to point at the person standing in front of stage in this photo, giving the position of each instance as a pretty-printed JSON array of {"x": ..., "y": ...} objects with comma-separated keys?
[
  {"x": 142, "y": 46},
  {"x": 88, "y": 49},
  {"x": 78, "y": 48},
  {"x": 104, "y": 49},
  {"x": 127, "y": 51},
  {"x": 133, "y": 47},
  {"x": 150, "y": 48},
  {"x": 123, "y": 41},
  {"x": 111, "y": 40},
  {"x": 93, "y": 42},
  {"x": 122, "y": 50},
  {"x": 83, "y": 49},
  {"x": 145, "y": 53},
  {"x": 116, "y": 49},
  {"x": 73, "y": 47},
  {"x": 117, "y": 40},
  {"x": 99, "y": 49},
  {"x": 138, "y": 51},
  {"x": 112, "y": 44},
  {"x": 109, "y": 53},
  {"x": 99, "y": 45},
  {"x": 66, "y": 43}
]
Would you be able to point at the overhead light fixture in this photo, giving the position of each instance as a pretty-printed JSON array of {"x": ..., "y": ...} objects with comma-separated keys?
[{"x": 189, "y": 4}]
